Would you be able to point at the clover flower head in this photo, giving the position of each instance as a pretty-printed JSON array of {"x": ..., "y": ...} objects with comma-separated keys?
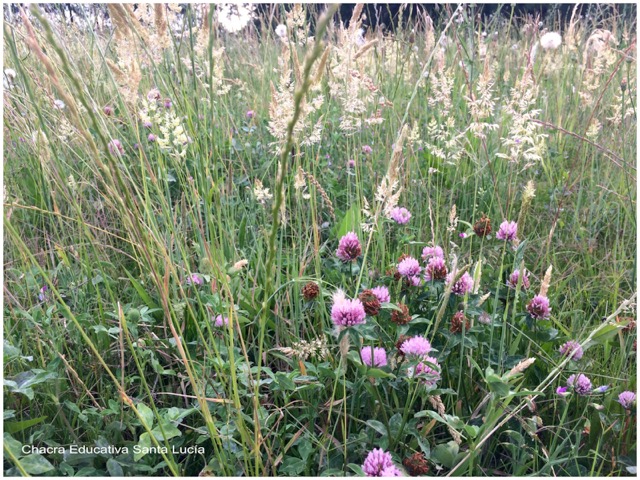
[{"x": 374, "y": 357}]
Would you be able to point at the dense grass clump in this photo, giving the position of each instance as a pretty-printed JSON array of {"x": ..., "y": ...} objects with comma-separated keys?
[{"x": 303, "y": 248}]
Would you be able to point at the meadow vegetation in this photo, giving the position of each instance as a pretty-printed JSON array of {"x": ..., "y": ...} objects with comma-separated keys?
[{"x": 306, "y": 247}]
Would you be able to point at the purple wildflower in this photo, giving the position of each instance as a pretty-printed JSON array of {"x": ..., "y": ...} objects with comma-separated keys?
[
  {"x": 221, "y": 321},
  {"x": 351, "y": 163},
  {"x": 409, "y": 267},
  {"x": 346, "y": 312},
  {"x": 435, "y": 269},
  {"x": 538, "y": 307},
  {"x": 430, "y": 371},
  {"x": 400, "y": 215},
  {"x": 512, "y": 281},
  {"x": 147, "y": 124},
  {"x": 581, "y": 384},
  {"x": 507, "y": 231},
  {"x": 108, "y": 111},
  {"x": 382, "y": 293},
  {"x": 42, "y": 296},
  {"x": 391, "y": 471},
  {"x": 376, "y": 462},
  {"x": 194, "y": 279},
  {"x": 167, "y": 103},
  {"x": 378, "y": 359},
  {"x": 572, "y": 349},
  {"x": 462, "y": 235},
  {"x": 250, "y": 113},
  {"x": 601, "y": 389},
  {"x": 627, "y": 399},
  {"x": 367, "y": 150},
  {"x": 152, "y": 137},
  {"x": 349, "y": 247},
  {"x": 115, "y": 147},
  {"x": 418, "y": 346},
  {"x": 463, "y": 286},
  {"x": 562, "y": 391},
  {"x": 428, "y": 252}
]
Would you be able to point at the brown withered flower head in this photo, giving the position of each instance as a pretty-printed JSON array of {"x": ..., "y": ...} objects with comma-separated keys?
[
  {"x": 416, "y": 464},
  {"x": 401, "y": 340},
  {"x": 630, "y": 326},
  {"x": 402, "y": 316},
  {"x": 483, "y": 226},
  {"x": 457, "y": 321},
  {"x": 370, "y": 302},
  {"x": 310, "y": 291}
]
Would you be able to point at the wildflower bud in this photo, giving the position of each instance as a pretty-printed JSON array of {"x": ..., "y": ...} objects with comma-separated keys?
[
  {"x": 402, "y": 316},
  {"x": 457, "y": 321},
  {"x": 623, "y": 84},
  {"x": 151, "y": 137},
  {"x": 482, "y": 227},
  {"x": 250, "y": 114},
  {"x": 167, "y": 103},
  {"x": 370, "y": 302},
  {"x": 416, "y": 465},
  {"x": 311, "y": 291},
  {"x": 108, "y": 111}
]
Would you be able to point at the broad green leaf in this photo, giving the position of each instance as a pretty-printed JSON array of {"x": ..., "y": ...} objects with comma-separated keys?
[
  {"x": 114, "y": 468},
  {"x": 350, "y": 222},
  {"x": 377, "y": 426},
  {"x": 14, "y": 427},
  {"x": 145, "y": 444},
  {"x": 607, "y": 332},
  {"x": 13, "y": 445},
  {"x": 36, "y": 464},
  {"x": 445, "y": 454},
  {"x": 146, "y": 415}
]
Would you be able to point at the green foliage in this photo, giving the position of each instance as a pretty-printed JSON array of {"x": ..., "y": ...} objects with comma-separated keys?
[{"x": 121, "y": 268}]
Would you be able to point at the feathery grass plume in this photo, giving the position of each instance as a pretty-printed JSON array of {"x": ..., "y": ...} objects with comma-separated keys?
[
  {"x": 520, "y": 367},
  {"x": 322, "y": 65},
  {"x": 307, "y": 129},
  {"x": 436, "y": 403},
  {"x": 523, "y": 142},
  {"x": 388, "y": 191},
  {"x": 482, "y": 104},
  {"x": 528, "y": 193},
  {"x": 544, "y": 287},
  {"x": 303, "y": 350},
  {"x": 356, "y": 91},
  {"x": 202, "y": 36},
  {"x": 128, "y": 74},
  {"x": 429, "y": 34}
]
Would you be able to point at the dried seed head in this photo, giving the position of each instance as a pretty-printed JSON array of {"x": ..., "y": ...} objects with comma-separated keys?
[
  {"x": 370, "y": 302},
  {"x": 482, "y": 227},
  {"x": 402, "y": 316},
  {"x": 310, "y": 291},
  {"x": 416, "y": 464},
  {"x": 457, "y": 321}
]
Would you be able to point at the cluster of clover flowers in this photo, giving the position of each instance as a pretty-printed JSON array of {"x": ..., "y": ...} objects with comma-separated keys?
[{"x": 347, "y": 312}]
